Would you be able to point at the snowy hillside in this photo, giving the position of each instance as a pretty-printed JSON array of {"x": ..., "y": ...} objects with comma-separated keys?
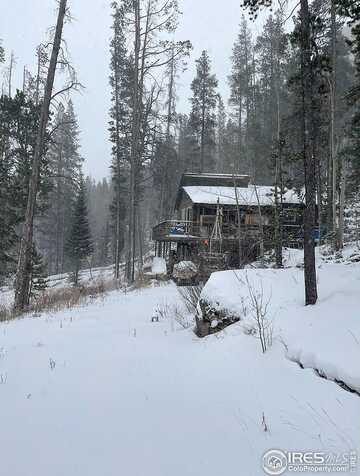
[{"x": 103, "y": 390}]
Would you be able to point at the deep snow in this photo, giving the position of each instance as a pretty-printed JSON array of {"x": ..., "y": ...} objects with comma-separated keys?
[{"x": 102, "y": 390}]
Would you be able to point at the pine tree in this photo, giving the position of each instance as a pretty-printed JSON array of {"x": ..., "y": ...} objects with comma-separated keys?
[
  {"x": 203, "y": 112},
  {"x": 165, "y": 164},
  {"x": 307, "y": 133},
  {"x": 19, "y": 119},
  {"x": 105, "y": 245},
  {"x": 221, "y": 119},
  {"x": 2, "y": 53},
  {"x": 240, "y": 81},
  {"x": 65, "y": 164},
  {"x": 79, "y": 244},
  {"x": 187, "y": 145},
  {"x": 120, "y": 128},
  {"x": 38, "y": 279},
  {"x": 351, "y": 10},
  {"x": 99, "y": 196}
]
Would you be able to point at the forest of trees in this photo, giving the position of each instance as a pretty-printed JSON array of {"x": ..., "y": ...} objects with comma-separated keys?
[{"x": 292, "y": 119}]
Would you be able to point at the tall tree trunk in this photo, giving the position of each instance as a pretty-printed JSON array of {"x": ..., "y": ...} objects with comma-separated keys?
[
  {"x": 239, "y": 230},
  {"x": 202, "y": 135},
  {"x": 164, "y": 197},
  {"x": 332, "y": 117},
  {"x": 309, "y": 161},
  {"x": 118, "y": 167},
  {"x": 261, "y": 224},
  {"x": 24, "y": 261},
  {"x": 11, "y": 68},
  {"x": 37, "y": 88},
  {"x": 340, "y": 243},
  {"x": 278, "y": 172},
  {"x": 135, "y": 132}
]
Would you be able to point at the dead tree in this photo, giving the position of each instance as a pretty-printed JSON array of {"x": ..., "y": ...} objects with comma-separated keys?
[{"x": 24, "y": 262}]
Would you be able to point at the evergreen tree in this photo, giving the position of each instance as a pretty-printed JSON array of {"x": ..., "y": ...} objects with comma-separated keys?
[
  {"x": 307, "y": 133},
  {"x": 65, "y": 163},
  {"x": 79, "y": 244},
  {"x": 99, "y": 195},
  {"x": 2, "y": 53},
  {"x": 221, "y": 119},
  {"x": 38, "y": 279},
  {"x": 241, "y": 97},
  {"x": 119, "y": 128},
  {"x": 187, "y": 145},
  {"x": 351, "y": 10},
  {"x": 203, "y": 112},
  {"x": 19, "y": 119},
  {"x": 105, "y": 246}
]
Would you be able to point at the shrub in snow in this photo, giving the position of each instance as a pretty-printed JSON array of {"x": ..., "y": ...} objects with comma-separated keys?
[
  {"x": 185, "y": 272},
  {"x": 231, "y": 296},
  {"x": 190, "y": 296},
  {"x": 212, "y": 318},
  {"x": 258, "y": 306}
]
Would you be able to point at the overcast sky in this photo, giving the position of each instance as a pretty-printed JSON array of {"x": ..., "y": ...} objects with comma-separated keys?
[{"x": 209, "y": 24}]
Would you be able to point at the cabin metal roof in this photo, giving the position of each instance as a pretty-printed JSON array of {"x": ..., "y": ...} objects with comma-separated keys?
[
  {"x": 246, "y": 196},
  {"x": 214, "y": 179}
]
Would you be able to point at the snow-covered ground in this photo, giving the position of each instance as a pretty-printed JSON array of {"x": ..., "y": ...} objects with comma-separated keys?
[
  {"x": 86, "y": 276},
  {"x": 102, "y": 390}
]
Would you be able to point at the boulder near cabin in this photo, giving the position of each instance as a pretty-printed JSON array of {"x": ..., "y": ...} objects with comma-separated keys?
[{"x": 216, "y": 215}]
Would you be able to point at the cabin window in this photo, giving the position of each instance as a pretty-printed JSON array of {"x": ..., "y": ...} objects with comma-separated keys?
[
  {"x": 290, "y": 216},
  {"x": 189, "y": 214}
]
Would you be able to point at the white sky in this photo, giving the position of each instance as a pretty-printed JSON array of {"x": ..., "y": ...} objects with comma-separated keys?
[{"x": 208, "y": 24}]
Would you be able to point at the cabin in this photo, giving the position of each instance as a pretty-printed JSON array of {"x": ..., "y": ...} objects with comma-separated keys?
[{"x": 224, "y": 216}]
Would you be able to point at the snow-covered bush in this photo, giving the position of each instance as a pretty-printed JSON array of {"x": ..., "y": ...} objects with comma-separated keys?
[
  {"x": 185, "y": 272},
  {"x": 212, "y": 318}
]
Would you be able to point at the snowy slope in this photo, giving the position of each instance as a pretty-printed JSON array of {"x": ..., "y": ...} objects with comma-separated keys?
[
  {"x": 101, "y": 390},
  {"x": 325, "y": 337}
]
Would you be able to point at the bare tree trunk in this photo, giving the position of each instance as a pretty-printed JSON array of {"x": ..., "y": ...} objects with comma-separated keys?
[
  {"x": 135, "y": 131},
  {"x": 309, "y": 161},
  {"x": 24, "y": 80},
  {"x": 202, "y": 136},
  {"x": 140, "y": 240},
  {"x": 239, "y": 230},
  {"x": 239, "y": 141},
  {"x": 340, "y": 243},
  {"x": 37, "y": 90},
  {"x": 261, "y": 224},
  {"x": 118, "y": 173},
  {"x": 24, "y": 261},
  {"x": 332, "y": 117},
  {"x": 11, "y": 67},
  {"x": 278, "y": 174},
  {"x": 163, "y": 195}
]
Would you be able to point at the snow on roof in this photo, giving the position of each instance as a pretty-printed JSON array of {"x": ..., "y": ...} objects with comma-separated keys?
[
  {"x": 231, "y": 176},
  {"x": 246, "y": 196}
]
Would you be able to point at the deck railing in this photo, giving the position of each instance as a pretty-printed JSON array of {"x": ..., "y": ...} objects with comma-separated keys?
[{"x": 177, "y": 229}]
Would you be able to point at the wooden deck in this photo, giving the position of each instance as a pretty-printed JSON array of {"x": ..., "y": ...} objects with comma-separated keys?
[
  {"x": 189, "y": 231},
  {"x": 176, "y": 230}
]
